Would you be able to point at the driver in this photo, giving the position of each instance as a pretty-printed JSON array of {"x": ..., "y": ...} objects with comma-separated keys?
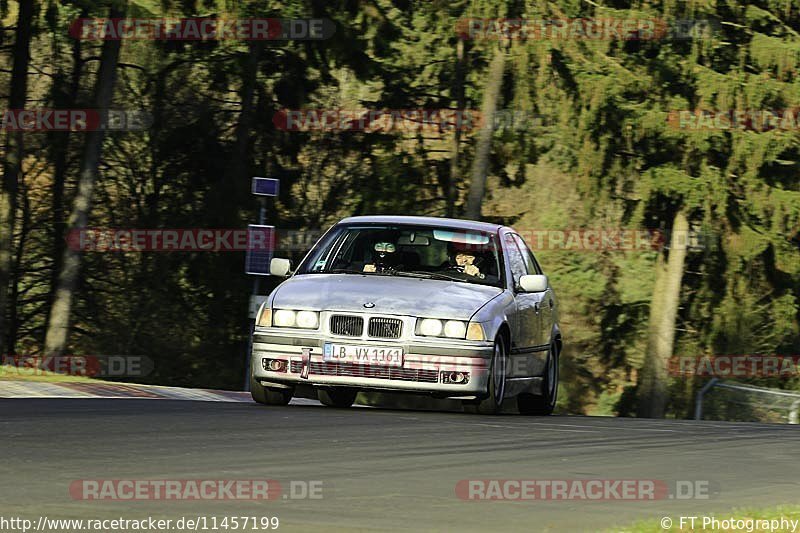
[
  {"x": 385, "y": 259},
  {"x": 463, "y": 259}
]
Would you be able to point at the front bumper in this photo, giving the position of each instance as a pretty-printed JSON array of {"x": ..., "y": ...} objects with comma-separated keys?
[{"x": 426, "y": 368}]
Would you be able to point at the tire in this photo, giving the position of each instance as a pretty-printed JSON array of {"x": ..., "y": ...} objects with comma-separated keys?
[
  {"x": 529, "y": 404},
  {"x": 265, "y": 396},
  {"x": 493, "y": 403},
  {"x": 340, "y": 397}
]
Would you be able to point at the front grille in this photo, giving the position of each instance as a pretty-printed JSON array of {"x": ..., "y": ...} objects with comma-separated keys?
[
  {"x": 385, "y": 328},
  {"x": 368, "y": 371},
  {"x": 350, "y": 326}
]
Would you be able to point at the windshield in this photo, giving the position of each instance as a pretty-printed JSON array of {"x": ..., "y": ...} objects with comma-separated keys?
[{"x": 414, "y": 251}]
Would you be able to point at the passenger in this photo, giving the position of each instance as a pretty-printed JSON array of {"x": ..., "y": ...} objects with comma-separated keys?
[{"x": 385, "y": 260}]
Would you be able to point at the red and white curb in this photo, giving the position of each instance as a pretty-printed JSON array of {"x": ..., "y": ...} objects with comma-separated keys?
[{"x": 87, "y": 389}]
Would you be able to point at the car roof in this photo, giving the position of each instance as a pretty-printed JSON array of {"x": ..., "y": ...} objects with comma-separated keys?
[{"x": 424, "y": 221}]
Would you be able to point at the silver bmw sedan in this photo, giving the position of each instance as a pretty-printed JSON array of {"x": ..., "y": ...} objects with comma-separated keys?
[{"x": 432, "y": 306}]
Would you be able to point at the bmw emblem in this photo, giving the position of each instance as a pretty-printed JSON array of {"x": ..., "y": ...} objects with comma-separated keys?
[{"x": 369, "y": 305}]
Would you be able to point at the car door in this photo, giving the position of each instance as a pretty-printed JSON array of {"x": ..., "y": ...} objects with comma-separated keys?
[
  {"x": 527, "y": 323},
  {"x": 546, "y": 299}
]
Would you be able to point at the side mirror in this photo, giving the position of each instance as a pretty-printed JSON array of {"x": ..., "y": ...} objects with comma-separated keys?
[
  {"x": 280, "y": 267},
  {"x": 532, "y": 283}
]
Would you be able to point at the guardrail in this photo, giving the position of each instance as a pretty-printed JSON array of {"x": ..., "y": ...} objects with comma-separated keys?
[{"x": 793, "y": 408}]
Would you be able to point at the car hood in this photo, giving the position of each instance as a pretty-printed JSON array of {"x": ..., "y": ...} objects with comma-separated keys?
[{"x": 391, "y": 295}]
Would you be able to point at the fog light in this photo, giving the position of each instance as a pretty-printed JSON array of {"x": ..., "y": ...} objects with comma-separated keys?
[
  {"x": 274, "y": 365},
  {"x": 455, "y": 378}
]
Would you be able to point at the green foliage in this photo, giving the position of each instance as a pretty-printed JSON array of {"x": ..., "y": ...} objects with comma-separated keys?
[{"x": 601, "y": 154}]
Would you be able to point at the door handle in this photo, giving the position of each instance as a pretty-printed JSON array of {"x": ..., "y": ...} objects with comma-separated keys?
[{"x": 536, "y": 306}]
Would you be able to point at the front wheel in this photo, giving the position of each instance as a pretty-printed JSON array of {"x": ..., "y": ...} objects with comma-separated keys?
[
  {"x": 337, "y": 397},
  {"x": 265, "y": 396},
  {"x": 543, "y": 405},
  {"x": 493, "y": 403}
]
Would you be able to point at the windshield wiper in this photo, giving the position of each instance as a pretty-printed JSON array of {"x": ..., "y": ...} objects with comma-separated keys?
[
  {"x": 342, "y": 271},
  {"x": 432, "y": 275},
  {"x": 415, "y": 274},
  {"x": 351, "y": 271},
  {"x": 420, "y": 274}
]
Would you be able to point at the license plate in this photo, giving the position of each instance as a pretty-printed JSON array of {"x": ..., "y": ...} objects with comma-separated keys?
[{"x": 365, "y": 355}]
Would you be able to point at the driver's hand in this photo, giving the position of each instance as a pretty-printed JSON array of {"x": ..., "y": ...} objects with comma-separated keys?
[
  {"x": 369, "y": 268},
  {"x": 471, "y": 270}
]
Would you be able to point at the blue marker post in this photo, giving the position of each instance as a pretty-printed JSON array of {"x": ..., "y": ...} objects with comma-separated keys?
[{"x": 257, "y": 260}]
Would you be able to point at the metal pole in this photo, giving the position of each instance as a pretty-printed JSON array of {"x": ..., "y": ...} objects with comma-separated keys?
[
  {"x": 793, "y": 413},
  {"x": 698, "y": 403}
]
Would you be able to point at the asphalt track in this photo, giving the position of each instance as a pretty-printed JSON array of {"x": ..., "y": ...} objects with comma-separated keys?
[{"x": 381, "y": 469}]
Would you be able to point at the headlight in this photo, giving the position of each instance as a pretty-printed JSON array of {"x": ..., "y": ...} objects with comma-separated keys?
[
  {"x": 430, "y": 327},
  {"x": 288, "y": 318},
  {"x": 284, "y": 318},
  {"x": 455, "y": 329},
  {"x": 307, "y": 319},
  {"x": 452, "y": 329}
]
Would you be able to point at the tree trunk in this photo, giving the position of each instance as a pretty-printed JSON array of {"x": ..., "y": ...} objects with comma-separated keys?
[
  {"x": 17, "y": 269},
  {"x": 65, "y": 97},
  {"x": 480, "y": 165},
  {"x": 12, "y": 166},
  {"x": 232, "y": 187},
  {"x": 652, "y": 391},
  {"x": 239, "y": 163},
  {"x": 59, "y": 320},
  {"x": 458, "y": 96}
]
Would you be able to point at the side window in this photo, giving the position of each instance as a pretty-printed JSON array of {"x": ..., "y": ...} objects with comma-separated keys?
[
  {"x": 516, "y": 260},
  {"x": 530, "y": 262},
  {"x": 536, "y": 263}
]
